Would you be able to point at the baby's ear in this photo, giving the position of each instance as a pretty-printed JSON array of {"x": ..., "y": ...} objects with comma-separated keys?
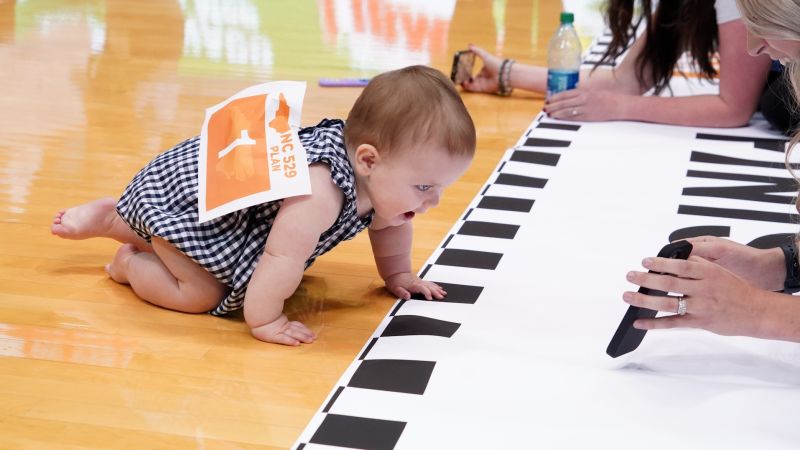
[{"x": 365, "y": 158}]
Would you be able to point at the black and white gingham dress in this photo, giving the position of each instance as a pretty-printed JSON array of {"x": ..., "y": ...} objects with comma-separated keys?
[{"x": 161, "y": 200}]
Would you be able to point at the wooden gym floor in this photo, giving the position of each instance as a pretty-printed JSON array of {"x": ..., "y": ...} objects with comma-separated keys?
[{"x": 91, "y": 91}]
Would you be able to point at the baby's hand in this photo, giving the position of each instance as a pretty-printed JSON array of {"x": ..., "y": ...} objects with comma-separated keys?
[
  {"x": 404, "y": 284},
  {"x": 282, "y": 331}
]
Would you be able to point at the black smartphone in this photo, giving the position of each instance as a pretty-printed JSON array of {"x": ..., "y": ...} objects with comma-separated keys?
[
  {"x": 463, "y": 62},
  {"x": 627, "y": 338}
]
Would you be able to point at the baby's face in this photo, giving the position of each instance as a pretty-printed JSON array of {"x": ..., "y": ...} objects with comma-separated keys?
[{"x": 409, "y": 181}]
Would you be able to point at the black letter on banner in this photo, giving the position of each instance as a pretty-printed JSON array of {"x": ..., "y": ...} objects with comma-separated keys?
[
  {"x": 777, "y": 145},
  {"x": 703, "y": 230},
  {"x": 771, "y": 240},
  {"x": 752, "y": 193}
]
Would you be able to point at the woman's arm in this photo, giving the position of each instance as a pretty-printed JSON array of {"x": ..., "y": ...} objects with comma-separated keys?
[{"x": 742, "y": 79}]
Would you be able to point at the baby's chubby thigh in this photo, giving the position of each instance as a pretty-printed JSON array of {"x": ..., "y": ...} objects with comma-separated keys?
[{"x": 199, "y": 290}]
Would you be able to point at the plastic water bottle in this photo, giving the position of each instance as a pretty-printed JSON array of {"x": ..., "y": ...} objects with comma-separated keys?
[{"x": 563, "y": 57}]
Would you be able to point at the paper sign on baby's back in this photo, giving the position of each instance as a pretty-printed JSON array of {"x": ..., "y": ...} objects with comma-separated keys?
[{"x": 249, "y": 150}]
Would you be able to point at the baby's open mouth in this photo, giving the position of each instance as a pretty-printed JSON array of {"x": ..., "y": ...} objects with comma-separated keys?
[{"x": 409, "y": 215}]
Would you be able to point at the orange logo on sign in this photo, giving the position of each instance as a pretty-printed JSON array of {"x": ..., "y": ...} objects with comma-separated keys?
[{"x": 237, "y": 151}]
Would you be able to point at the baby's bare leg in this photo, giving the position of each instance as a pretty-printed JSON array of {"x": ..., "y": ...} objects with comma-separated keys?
[
  {"x": 98, "y": 218},
  {"x": 167, "y": 278}
]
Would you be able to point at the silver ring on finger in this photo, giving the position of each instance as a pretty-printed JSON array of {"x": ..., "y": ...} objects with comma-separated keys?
[{"x": 681, "y": 305}]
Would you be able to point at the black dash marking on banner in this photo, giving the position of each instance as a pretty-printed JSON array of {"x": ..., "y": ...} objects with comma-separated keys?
[
  {"x": 424, "y": 271},
  {"x": 397, "y": 308},
  {"x": 358, "y": 432},
  {"x": 489, "y": 229},
  {"x": 702, "y": 230},
  {"x": 776, "y": 145},
  {"x": 456, "y": 293},
  {"x": 712, "y": 158},
  {"x": 469, "y": 258},
  {"x": 559, "y": 126},
  {"x": 486, "y": 189},
  {"x": 447, "y": 241},
  {"x": 333, "y": 399},
  {"x": 764, "y": 216},
  {"x": 369, "y": 347},
  {"x": 506, "y": 203},
  {"x": 542, "y": 142},
  {"x": 542, "y": 158},
  {"x": 301, "y": 447},
  {"x": 503, "y": 164},
  {"x": 520, "y": 180},
  {"x": 466, "y": 216},
  {"x": 393, "y": 375},
  {"x": 419, "y": 326}
]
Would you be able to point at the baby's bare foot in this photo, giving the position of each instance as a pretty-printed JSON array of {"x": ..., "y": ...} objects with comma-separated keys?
[
  {"x": 118, "y": 269},
  {"x": 93, "y": 219}
]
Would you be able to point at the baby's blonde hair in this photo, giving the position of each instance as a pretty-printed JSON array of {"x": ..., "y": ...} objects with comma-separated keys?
[
  {"x": 777, "y": 19},
  {"x": 407, "y": 107}
]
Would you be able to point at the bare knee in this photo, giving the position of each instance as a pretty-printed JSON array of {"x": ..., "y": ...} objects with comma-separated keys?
[{"x": 199, "y": 297}]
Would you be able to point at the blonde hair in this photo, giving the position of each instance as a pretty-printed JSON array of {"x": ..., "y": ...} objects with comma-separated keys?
[
  {"x": 777, "y": 19},
  {"x": 404, "y": 107}
]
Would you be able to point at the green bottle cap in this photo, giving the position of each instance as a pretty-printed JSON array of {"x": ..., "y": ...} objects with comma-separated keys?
[{"x": 567, "y": 17}]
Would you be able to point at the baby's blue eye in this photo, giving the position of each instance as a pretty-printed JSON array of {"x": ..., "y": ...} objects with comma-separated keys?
[{"x": 423, "y": 187}]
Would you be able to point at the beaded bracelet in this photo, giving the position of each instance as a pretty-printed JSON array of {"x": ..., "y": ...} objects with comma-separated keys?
[
  {"x": 792, "y": 282},
  {"x": 504, "y": 78}
]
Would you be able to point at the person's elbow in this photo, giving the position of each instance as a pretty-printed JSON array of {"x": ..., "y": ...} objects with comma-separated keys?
[{"x": 735, "y": 117}]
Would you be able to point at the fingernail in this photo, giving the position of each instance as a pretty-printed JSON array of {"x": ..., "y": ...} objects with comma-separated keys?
[
  {"x": 627, "y": 296},
  {"x": 544, "y": 109},
  {"x": 647, "y": 262},
  {"x": 637, "y": 325},
  {"x": 630, "y": 276}
]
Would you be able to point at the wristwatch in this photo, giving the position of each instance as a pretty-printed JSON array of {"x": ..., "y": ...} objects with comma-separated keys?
[{"x": 792, "y": 282}]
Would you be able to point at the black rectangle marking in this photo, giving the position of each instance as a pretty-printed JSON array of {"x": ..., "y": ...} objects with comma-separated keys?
[
  {"x": 393, "y": 375},
  {"x": 456, "y": 293},
  {"x": 489, "y": 229},
  {"x": 469, "y": 258},
  {"x": 372, "y": 343},
  {"x": 419, "y": 326},
  {"x": 397, "y": 308},
  {"x": 333, "y": 399},
  {"x": 559, "y": 126},
  {"x": 542, "y": 142},
  {"x": 358, "y": 432},
  {"x": 506, "y": 203},
  {"x": 542, "y": 158},
  {"x": 520, "y": 180}
]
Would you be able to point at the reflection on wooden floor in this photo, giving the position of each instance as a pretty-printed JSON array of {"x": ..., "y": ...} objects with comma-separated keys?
[{"x": 92, "y": 90}]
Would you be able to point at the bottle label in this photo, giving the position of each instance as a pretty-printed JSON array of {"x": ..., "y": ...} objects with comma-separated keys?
[{"x": 561, "y": 80}]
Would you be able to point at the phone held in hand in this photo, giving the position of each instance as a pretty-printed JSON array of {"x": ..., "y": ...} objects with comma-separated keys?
[
  {"x": 463, "y": 62},
  {"x": 627, "y": 338}
]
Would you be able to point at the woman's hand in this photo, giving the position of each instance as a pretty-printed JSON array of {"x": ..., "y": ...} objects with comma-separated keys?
[
  {"x": 764, "y": 269},
  {"x": 487, "y": 79},
  {"x": 585, "y": 105},
  {"x": 404, "y": 284},
  {"x": 716, "y": 299}
]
